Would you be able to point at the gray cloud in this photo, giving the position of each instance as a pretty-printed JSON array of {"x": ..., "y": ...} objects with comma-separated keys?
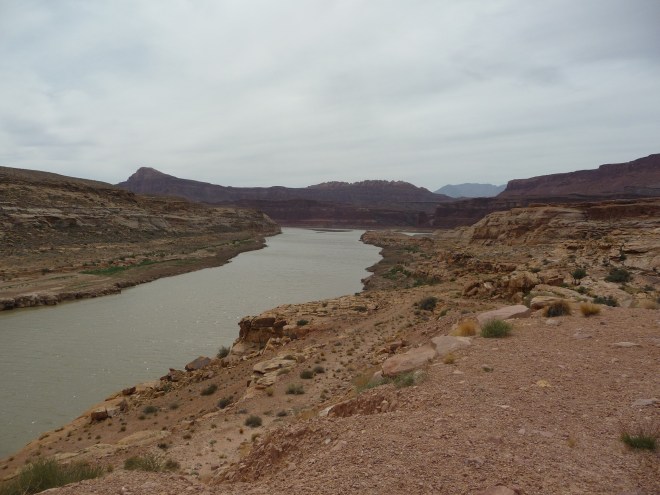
[{"x": 296, "y": 92}]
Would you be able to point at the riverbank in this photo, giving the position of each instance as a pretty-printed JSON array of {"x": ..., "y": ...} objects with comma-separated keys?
[
  {"x": 300, "y": 405},
  {"x": 105, "y": 269}
]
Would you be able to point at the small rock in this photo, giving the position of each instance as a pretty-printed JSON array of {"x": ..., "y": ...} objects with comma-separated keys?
[
  {"x": 543, "y": 384},
  {"x": 582, "y": 336},
  {"x": 408, "y": 361},
  {"x": 517, "y": 311},
  {"x": 645, "y": 402},
  {"x": 553, "y": 322},
  {"x": 198, "y": 364},
  {"x": 487, "y": 368},
  {"x": 626, "y": 344},
  {"x": 128, "y": 391},
  {"x": 99, "y": 415}
]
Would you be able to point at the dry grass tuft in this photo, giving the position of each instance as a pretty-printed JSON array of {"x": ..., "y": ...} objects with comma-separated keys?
[
  {"x": 589, "y": 309},
  {"x": 465, "y": 328},
  {"x": 557, "y": 308}
]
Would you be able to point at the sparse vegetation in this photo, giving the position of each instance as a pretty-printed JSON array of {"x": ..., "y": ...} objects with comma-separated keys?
[
  {"x": 495, "y": 329},
  {"x": 428, "y": 303},
  {"x": 466, "y": 328},
  {"x": 318, "y": 369},
  {"x": 449, "y": 358},
  {"x": 306, "y": 374},
  {"x": 618, "y": 275},
  {"x": 43, "y": 474},
  {"x": 589, "y": 309},
  {"x": 149, "y": 462},
  {"x": 557, "y": 308},
  {"x": 253, "y": 421},
  {"x": 224, "y": 402},
  {"x": 408, "y": 379},
  {"x": 210, "y": 390},
  {"x": 150, "y": 409},
  {"x": 607, "y": 301},
  {"x": 578, "y": 274},
  {"x": 302, "y": 323},
  {"x": 223, "y": 352},
  {"x": 643, "y": 437},
  {"x": 295, "y": 389}
]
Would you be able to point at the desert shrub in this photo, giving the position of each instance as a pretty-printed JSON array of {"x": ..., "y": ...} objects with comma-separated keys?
[
  {"x": 43, "y": 474},
  {"x": 466, "y": 328},
  {"x": 318, "y": 369},
  {"x": 223, "y": 352},
  {"x": 408, "y": 379},
  {"x": 150, "y": 409},
  {"x": 449, "y": 358},
  {"x": 557, "y": 308},
  {"x": 619, "y": 275},
  {"x": 607, "y": 301},
  {"x": 582, "y": 290},
  {"x": 428, "y": 303},
  {"x": 147, "y": 462},
  {"x": 295, "y": 389},
  {"x": 495, "y": 329},
  {"x": 253, "y": 421},
  {"x": 224, "y": 402},
  {"x": 643, "y": 437},
  {"x": 210, "y": 390},
  {"x": 578, "y": 274},
  {"x": 302, "y": 323},
  {"x": 589, "y": 309},
  {"x": 306, "y": 374},
  {"x": 171, "y": 465}
]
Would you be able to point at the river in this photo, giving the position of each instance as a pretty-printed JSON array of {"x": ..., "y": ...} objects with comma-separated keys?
[{"x": 55, "y": 362}]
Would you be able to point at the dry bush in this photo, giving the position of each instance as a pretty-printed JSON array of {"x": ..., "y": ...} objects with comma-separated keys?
[
  {"x": 557, "y": 308},
  {"x": 465, "y": 328},
  {"x": 589, "y": 309}
]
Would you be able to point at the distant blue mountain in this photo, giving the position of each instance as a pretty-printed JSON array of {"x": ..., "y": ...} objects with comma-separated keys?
[{"x": 471, "y": 190}]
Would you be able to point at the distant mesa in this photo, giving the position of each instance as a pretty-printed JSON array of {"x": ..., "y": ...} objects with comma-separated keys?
[
  {"x": 371, "y": 203},
  {"x": 470, "y": 190}
]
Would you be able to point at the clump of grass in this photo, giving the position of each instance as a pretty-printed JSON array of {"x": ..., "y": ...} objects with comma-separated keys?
[
  {"x": 171, "y": 465},
  {"x": 557, "y": 308},
  {"x": 318, "y": 369},
  {"x": 224, "y": 402},
  {"x": 43, "y": 474},
  {"x": 449, "y": 358},
  {"x": 465, "y": 328},
  {"x": 253, "y": 421},
  {"x": 223, "y": 352},
  {"x": 150, "y": 409},
  {"x": 295, "y": 389},
  {"x": 408, "y": 379},
  {"x": 618, "y": 275},
  {"x": 643, "y": 437},
  {"x": 302, "y": 323},
  {"x": 495, "y": 329},
  {"x": 607, "y": 301},
  {"x": 147, "y": 462},
  {"x": 589, "y": 309},
  {"x": 428, "y": 303},
  {"x": 306, "y": 374},
  {"x": 210, "y": 390}
]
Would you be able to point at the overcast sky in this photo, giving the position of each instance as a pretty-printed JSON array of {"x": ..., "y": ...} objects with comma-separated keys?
[{"x": 297, "y": 92}]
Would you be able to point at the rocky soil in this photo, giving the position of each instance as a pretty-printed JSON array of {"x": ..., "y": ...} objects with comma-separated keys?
[{"x": 389, "y": 390}]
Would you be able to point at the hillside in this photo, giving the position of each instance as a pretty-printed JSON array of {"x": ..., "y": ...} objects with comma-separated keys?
[
  {"x": 53, "y": 228},
  {"x": 636, "y": 179},
  {"x": 366, "y": 203}
]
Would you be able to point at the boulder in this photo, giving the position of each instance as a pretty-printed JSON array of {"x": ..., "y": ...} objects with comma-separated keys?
[
  {"x": 444, "y": 344},
  {"x": 128, "y": 391},
  {"x": 516, "y": 311},
  {"x": 540, "y": 302},
  {"x": 408, "y": 361},
  {"x": 99, "y": 415},
  {"x": 198, "y": 364},
  {"x": 273, "y": 364}
]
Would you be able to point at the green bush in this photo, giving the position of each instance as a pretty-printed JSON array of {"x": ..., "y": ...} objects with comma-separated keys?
[
  {"x": 406, "y": 379},
  {"x": 223, "y": 352},
  {"x": 253, "y": 421},
  {"x": 641, "y": 439},
  {"x": 428, "y": 303},
  {"x": 306, "y": 374},
  {"x": 607, "y": 301},
  {"x": 619, "y": 275},
  {"x": 302, "y": 323},
  {"x": 578, "y": 274},
  {"x": 210, "y": 390},
  {"x": 224, "y": 402},
  {"x": 43, "y": 474},
  {"x": 295, "y": 389},
  {"x": 495, "y": 329},
  {"x": 557, "y": 308}
]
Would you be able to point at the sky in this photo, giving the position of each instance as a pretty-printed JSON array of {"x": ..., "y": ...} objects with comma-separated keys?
[{"x": 298, "y": 92}]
